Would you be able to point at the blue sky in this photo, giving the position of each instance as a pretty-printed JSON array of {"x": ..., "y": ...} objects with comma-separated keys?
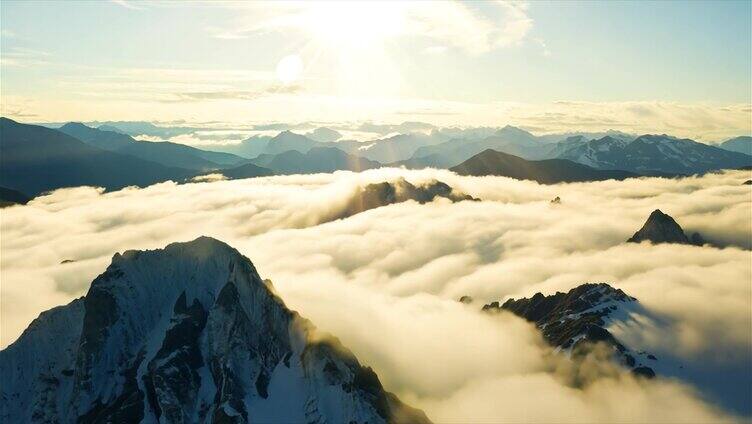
[{"x": 463, "y": 63}]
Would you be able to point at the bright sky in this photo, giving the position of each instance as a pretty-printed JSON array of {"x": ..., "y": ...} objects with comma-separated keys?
[{"x": 678, "y": 67}]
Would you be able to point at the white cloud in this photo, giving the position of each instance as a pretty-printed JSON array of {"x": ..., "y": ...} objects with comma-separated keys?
[
  {"x": 473, "y": 28},
  {"x": 24, "y": 57},
  {"x": 700, "y": 121},
  {"x": 126, "y": 99},
  {"x": 386, "y": 281}
]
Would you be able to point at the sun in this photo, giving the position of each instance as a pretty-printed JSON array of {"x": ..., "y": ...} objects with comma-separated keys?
[
  {"x": 289, "y": 69},
  {"x": 354, "y": 23},
  {"x": 346, "y": 46}
]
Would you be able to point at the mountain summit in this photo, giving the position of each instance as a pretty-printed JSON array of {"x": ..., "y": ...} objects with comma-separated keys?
[
  {"x": 189, "y": 333},
  {"x": 661, "y": 228},
  {"x": 550, "y": 171},
  {"x": 654, "y": 154},
  {"x": 573, "y": 321}
]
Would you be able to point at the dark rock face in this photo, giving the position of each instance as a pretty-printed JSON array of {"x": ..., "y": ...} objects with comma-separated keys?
[
  {"x": 661, "y": 228},
  {"x": 9, "y": 197},
  {"x": 128, "y": 406},
  {"x": 556, "y": 200},
  {"x": 697, "y": 239},
  {"x": 172, "y": 381},
  {"x": 550, "y": 171},
  {"x": 748, "y": 182},
  {"x": 574, "y": 320},
  {"x": 465, "y": 299},
  {"x": 248, "y": 170},
  {"x": 101, "y": 313},
  {"x": 386, "y": 193}
]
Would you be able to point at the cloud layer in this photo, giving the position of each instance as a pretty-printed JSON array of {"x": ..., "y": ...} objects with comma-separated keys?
[{"x": 386, "y": 281}]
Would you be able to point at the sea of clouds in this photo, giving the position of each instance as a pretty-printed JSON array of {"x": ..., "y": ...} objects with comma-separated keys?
[{"x": 386, "y": 281}]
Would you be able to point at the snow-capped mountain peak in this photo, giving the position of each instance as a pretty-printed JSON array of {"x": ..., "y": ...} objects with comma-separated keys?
[
  {"x": 188, "y": 333},
  {"x": 651, "y": 153},
  {"x": 585, "y": 315}
]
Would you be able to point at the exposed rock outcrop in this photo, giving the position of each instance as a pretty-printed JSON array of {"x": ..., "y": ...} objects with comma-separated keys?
[
  {"x": 386, "y": 193},
  {"x": 573, "y": 321},
  {"x": 661, "y": 228}
]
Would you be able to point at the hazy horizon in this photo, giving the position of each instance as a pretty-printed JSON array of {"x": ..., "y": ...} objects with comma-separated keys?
[{"x": 544, "y": 66}]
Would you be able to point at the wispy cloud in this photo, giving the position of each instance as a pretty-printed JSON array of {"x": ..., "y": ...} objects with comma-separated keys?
[
  {"x": 128, "y": 4},
  {"x": 703, "y": 121},
  {"x": 473, "y": 28},
  {"x": 24, "y": 57},
  {"x": 426, "y": 112},
  {"x": 238, "y": 94},
  {"x": 17, "y": 113}
]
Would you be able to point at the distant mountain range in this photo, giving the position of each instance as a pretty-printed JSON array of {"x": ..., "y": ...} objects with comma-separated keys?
[
  {"x": 551, "y": 171},
  {"x": 655, "y": 155},
  {"x": 248, "y": 170},
  {"x": 35, "y": 159},
  {"x": 398, "y": 147},
  {"x": 256, "y": 146},
  {"x": 187, "y": 334},
  {"x": 509, "y": 139},
  {"x": 650, "y": 153},
  {"x": 165, "y": 153},
  {"x": 314, "y": 160},
  {"x": 741, "y": 144},
  {"x": 137, "y": 128}
]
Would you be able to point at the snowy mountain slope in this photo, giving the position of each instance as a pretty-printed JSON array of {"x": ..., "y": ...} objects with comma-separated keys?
[
  {"x": 561, "y": 147},
  {"x": 510, "y": 140},
  {"x": 650, "y": 153},
  {"x": 602, "y": 153},
  {"x": 559, "y": 137},
  {"x": 584, "y": 315},
  {"x": 571, "y": 322},
  {"x": 189, "y": 333}
]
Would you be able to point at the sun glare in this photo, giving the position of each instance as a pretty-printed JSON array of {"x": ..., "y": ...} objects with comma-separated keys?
[
  {"x": 355, "y": 23},
  {"x": 289, "y": 69}
]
